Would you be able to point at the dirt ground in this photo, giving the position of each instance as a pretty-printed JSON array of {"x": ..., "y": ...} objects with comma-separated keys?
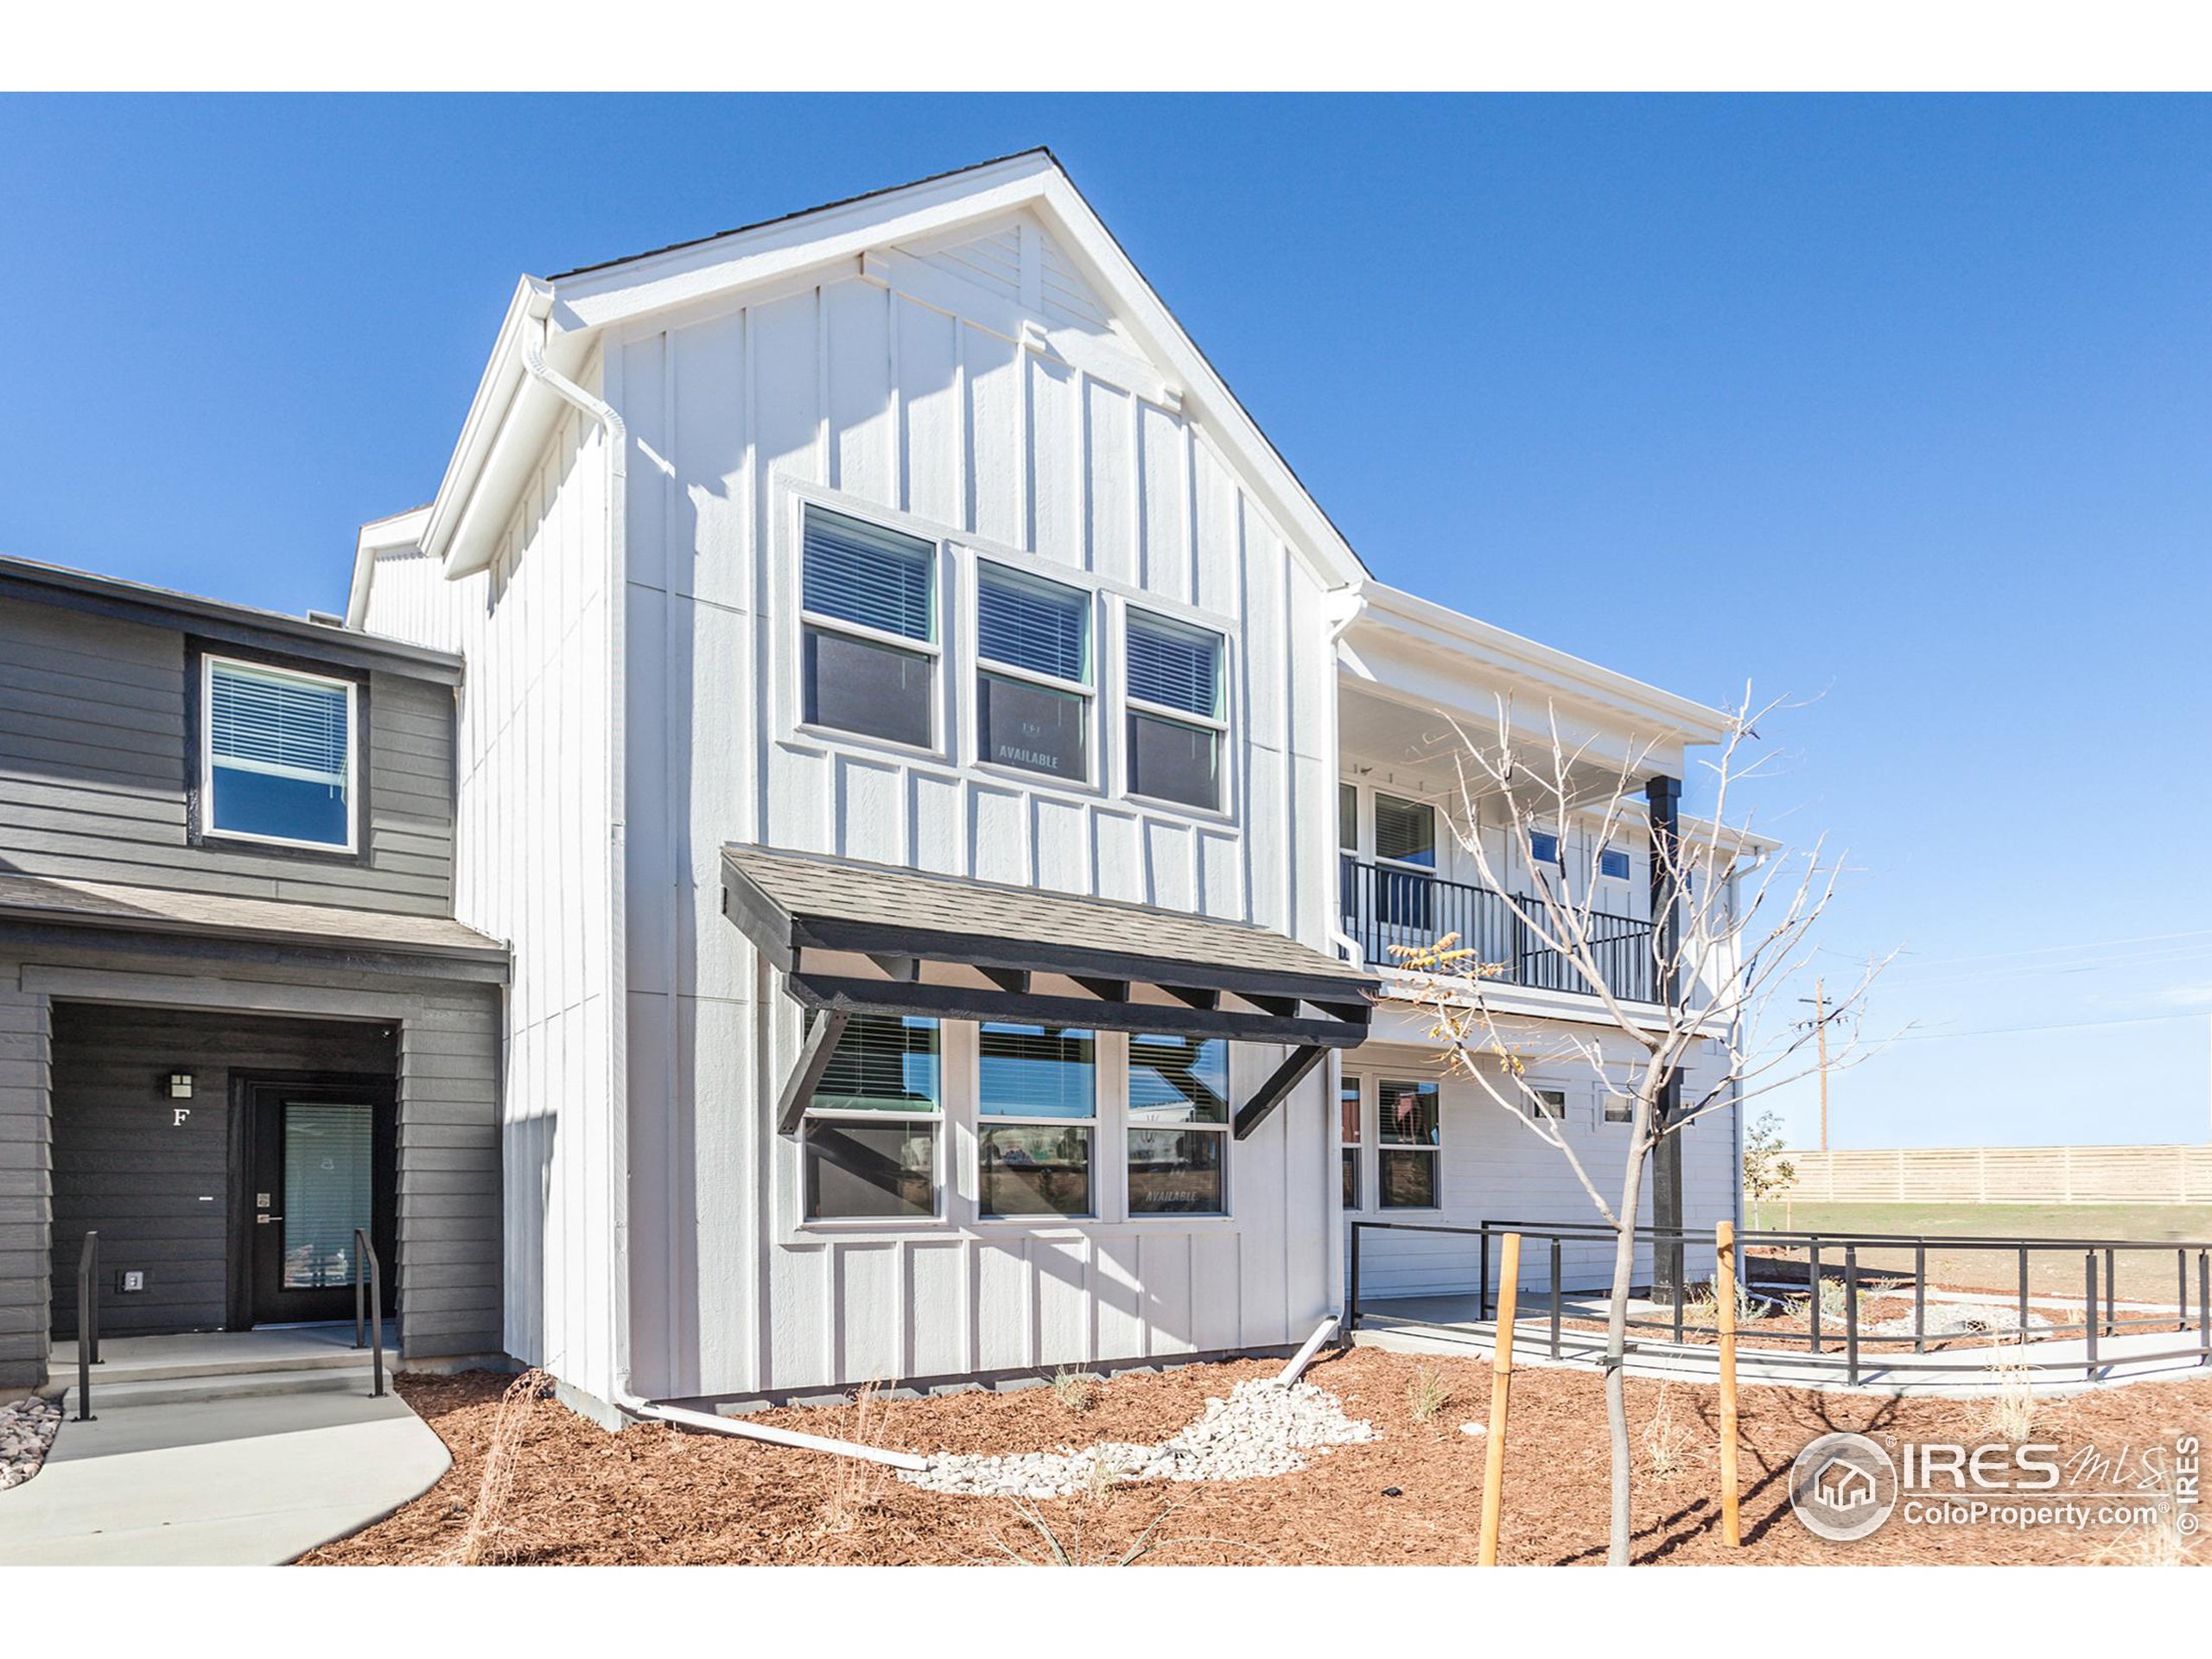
[{"x": 657, "y": 1495}]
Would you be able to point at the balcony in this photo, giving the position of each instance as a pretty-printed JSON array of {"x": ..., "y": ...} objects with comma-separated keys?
[{"x": 1385, "y": 905}]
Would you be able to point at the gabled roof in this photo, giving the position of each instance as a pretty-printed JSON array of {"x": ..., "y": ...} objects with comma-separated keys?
[{"x": 511, "y": 411}]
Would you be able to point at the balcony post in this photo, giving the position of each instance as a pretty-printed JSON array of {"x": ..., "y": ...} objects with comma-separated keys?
[{"x": 1662, "y": 799}]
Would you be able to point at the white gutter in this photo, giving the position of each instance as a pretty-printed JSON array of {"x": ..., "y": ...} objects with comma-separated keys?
[{"x": 620, "y": 1396}]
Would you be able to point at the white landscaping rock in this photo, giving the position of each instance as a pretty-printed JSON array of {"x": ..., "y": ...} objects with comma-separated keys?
[
  {"x": 27, "y": 1428},
  {"x": 1258, "y": 1432}
]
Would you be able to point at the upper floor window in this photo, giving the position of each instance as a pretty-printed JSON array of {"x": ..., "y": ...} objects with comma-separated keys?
[
  {"x": 1543, "y": 846},
  {"x": 871, "y": 1133},
  {"x": 869, "y": 645},
  {"x": 1405, "y": 832},
  {"x": 1033, "y": 686},
  {"x": 278, "y": 761},
  {"x": 1177, "y": 722},
  {"x": 1612, "y": 864}
]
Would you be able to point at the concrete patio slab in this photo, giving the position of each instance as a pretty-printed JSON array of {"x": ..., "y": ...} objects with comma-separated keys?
[{"x": 247, "y": 1481}]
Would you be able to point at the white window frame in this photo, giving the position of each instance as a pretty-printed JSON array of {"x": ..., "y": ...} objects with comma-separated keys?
[
  {"x": 1628, "y": 860},
  {"x": 940, "y": 1120},
  {"x": 1362, "y": 1186},
  {"x": 932, "y": 648},
  {"x": 209, "y": 662},
  {"x": 984, "y": 567},
  {"x": 1536, "y": 1100},
  {"x": 1130, "y": 1124},
  {"x": 1220, "y": 725},
  {"x": 986, "y": 1120},
  {"x": 1607, "y": 1101},
  {"x": 1373, "y": 1107}
]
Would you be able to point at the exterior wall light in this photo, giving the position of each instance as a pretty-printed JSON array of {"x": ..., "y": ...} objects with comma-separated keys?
[{"x": 180, "y": 1085}]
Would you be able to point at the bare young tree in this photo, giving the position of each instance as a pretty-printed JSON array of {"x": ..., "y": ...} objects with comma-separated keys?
[{"x": 1733, "y": 917}]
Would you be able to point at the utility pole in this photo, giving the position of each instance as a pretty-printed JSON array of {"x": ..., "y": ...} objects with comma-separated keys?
[{"x": 1819, "y": 998}]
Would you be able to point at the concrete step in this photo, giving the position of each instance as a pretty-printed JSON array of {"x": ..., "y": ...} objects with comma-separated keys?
[{"x": 118, "y": 1395}]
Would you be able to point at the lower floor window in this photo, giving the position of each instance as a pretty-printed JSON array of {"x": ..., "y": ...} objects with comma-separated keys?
[
  {"x": 1045, "y": 1079},
  {"x": 870, "y": 1141},
  {"x": 1348, "y": 1116},
  {"x": 1409, "y": 1128},
  {"x": 1178, "y": 1118}
]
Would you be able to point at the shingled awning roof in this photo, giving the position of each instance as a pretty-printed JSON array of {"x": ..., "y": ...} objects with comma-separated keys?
[{"x": 853, "y": 937}]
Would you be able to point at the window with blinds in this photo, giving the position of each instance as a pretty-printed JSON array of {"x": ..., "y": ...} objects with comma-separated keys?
[
  {"x": 328, "y": 1150},
  {"x": 1405, "y": 832},
  {"x": 278, "y": 755},
  {"x": 1175, "y": 722},
  {"x": 1036, "y": 1096},
  {"x": 1179, "y": 1119},
  {"x": 1033, "y": 691},
  {"x": 864, "y": 589},
  {"x": 1409, "y": 1125},
  {"x": 869, "y": 1146},
  {"x": 1612, "y": 864}
]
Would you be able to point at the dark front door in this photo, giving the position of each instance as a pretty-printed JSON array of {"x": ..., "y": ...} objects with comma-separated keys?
[{"x": 322, "y": 1165}]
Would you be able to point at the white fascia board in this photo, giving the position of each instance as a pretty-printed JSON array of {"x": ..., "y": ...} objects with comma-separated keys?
[
  {"x": 1391, "y": 610},
  {"x": 400, "y": 532},
  {"x": 631, "y": 290}
]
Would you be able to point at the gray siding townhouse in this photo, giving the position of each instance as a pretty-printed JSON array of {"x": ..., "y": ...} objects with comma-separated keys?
[{"x": 237, "y": 1019}]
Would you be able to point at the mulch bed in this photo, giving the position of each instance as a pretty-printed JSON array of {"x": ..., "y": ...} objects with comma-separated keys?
[{"x": 657, "y": 1495}]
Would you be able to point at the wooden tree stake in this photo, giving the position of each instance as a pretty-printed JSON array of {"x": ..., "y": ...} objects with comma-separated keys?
[
  {"x": 1500, "y": 1387},
  {"x": 1731, "y": 1527}
]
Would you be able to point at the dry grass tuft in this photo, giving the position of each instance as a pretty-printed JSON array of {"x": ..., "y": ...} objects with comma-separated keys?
[
  {"x": 479, "y": 1543},
  {"x": 853, "y": 1486},
  {"x": 1666, "y": 1438},
  {"x": 2167, "y": 1539},
  {"x": 1075, "y": 1390},
  {"x": 1068, "y": 1551},
  {"x": 2009, "y": 1414},
  {"x": 1427, "y": 1392}
]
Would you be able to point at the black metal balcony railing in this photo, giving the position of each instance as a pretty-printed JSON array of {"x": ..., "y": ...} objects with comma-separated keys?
[{"x": 1385, "y": 906}]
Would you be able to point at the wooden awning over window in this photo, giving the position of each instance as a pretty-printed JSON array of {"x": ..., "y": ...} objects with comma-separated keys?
[{"x": 853, "y": 937}]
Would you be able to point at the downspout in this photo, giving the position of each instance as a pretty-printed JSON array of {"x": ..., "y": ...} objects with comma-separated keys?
[
  {"x": 620, "y": 1393},
  {"x": 1347, "y": 602}
]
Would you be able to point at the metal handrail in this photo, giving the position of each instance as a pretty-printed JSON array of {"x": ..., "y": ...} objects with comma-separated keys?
[
  {"x": 1383, "y": 905},
  {"x": 365, "y": 1257},
  {"x": 2100, "y": 1315},
  {"x": 88, "y": 1322}
]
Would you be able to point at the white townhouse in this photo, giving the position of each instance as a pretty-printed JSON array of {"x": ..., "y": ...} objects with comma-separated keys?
[{"x": 945, "y": 790}]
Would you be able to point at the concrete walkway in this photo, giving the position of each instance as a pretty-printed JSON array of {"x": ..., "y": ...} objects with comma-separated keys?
[
  {"x": 242, "y": 1479},
  {"x": 1442, "y": 1325}
]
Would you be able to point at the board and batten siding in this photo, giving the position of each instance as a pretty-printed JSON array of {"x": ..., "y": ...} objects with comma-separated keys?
[
  {"x": 95, "y": 766},
  {"x": 900, "y": 388},
  {"x": 1492, "y": 1168},
  {"x": 531, "y": 865}
]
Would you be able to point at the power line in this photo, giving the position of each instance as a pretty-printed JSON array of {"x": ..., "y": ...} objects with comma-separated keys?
[
  {"x": 2194, "y": 1016},
  {"x": 1915, "y": 963}
]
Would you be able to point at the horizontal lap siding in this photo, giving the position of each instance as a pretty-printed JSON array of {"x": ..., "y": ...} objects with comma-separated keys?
[
  {"x": 451, "y": 1176},
  {"x": 158, "y": 1191},
  {"x": 1494, "y": 1169},
  {"x": 911, "y": 396},
  {"x": 26, "y": 1183},
  {"x": 94, "y": 771}
]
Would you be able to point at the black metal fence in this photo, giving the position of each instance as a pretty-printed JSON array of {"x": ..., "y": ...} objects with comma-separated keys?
[
  {"x": 1385, "y": 906},
  {"x": 1840, "y": 1335}
]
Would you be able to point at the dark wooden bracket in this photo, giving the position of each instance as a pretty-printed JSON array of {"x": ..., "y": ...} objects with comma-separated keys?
[
  {"x": 806, "y": 1076},
  {"x": 1272, "y": 1093}
]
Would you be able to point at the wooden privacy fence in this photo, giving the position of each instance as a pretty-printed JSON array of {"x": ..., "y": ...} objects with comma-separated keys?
[{"x": 2180, "y": 1174}]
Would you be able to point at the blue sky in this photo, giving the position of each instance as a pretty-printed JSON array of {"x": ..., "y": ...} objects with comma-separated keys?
[{"x": 1899, "y": 405}]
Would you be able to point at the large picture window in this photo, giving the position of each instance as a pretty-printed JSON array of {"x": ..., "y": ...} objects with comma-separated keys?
[
  {"x": 278, "y": 760},
  {"x": 1408, "y": 1128},
  {"x": 1179, "y": 1125},
  {"x": 1176, "y": 698},
  {"x": 1033, "y": 681},
  {"x": 870, "y": 1139},
  {"x": 868, "y": 644},
  {"x": 1037, "y": 1100}
]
